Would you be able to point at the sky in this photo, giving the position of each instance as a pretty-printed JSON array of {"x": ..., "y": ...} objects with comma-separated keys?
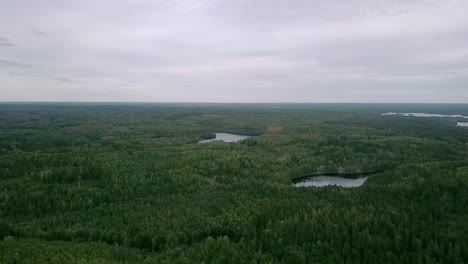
[{"x": 234, "y": 51}]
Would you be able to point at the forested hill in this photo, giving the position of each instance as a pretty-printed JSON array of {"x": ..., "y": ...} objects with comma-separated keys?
[{"x": 129, "y": 183}]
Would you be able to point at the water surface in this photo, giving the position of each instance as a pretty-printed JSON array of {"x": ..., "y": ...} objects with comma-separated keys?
[
  {"x": 423, "y": 115},
  {"x": 462, "y": 124},
  {"x": 320, "y": 181},
  {"x": 226, "y": 137}
]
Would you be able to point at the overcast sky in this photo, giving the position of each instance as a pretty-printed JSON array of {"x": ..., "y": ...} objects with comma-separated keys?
[{"x": 234, "y": 50}]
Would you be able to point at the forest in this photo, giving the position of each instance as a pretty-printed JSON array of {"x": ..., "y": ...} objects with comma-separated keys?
[{"x": 129, "y": 183}]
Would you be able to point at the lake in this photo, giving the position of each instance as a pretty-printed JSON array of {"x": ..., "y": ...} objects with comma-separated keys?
[
  {"x": 226, "y": 137},
  {"x": 321, "y": 180},
  {"x": 423, "y": 115}
]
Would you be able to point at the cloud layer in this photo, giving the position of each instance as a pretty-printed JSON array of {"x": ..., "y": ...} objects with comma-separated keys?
[{"x": 234, "y": 51}]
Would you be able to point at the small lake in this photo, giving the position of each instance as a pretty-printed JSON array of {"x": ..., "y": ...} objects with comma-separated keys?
[
  {"x": 423, "y": 115},
  {"x": 462, "y": 124},
  {"x": 226, "y": 137},
  {"x": 320, "y": 181}
]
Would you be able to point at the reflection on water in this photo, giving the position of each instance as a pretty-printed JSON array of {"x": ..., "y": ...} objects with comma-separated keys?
[
  {"x": 226, "y": 137},
  {"x": 320, "y": 181}
]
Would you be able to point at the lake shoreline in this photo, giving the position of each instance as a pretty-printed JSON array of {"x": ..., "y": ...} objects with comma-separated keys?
[
  {"x": 225, "y": 137},
  {"x": 348, "y": 175}
]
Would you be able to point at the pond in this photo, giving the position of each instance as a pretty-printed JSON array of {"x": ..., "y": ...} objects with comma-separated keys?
[
  {"x": 347, "y": 179},
  {"x": 226, "y": 137},
  {"x": 320, "y": 181}
]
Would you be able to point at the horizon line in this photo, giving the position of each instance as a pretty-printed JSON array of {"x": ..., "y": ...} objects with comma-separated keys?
[
  {"x": 219, "y": 103},
  {"x": 211, "y": 102}
]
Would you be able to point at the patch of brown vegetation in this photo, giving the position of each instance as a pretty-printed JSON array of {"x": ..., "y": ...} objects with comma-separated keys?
[
  {"x": 274, "y": 129},
  {"x": 212, "y": 115}
]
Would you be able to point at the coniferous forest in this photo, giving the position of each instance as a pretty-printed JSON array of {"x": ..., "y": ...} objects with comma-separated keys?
[{"x": 129, "y": 183}]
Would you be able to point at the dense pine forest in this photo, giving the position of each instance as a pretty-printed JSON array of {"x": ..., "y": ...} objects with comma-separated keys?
[{"x": 129, "y": 183}]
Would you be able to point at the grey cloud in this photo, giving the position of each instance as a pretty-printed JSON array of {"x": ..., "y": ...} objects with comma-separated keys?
[
  {"x": 14, "y": 64},
  {"x": 4, "y": 42},
  {"x": 38, "y": 32},
  {"x": 65, "y": 80}
]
